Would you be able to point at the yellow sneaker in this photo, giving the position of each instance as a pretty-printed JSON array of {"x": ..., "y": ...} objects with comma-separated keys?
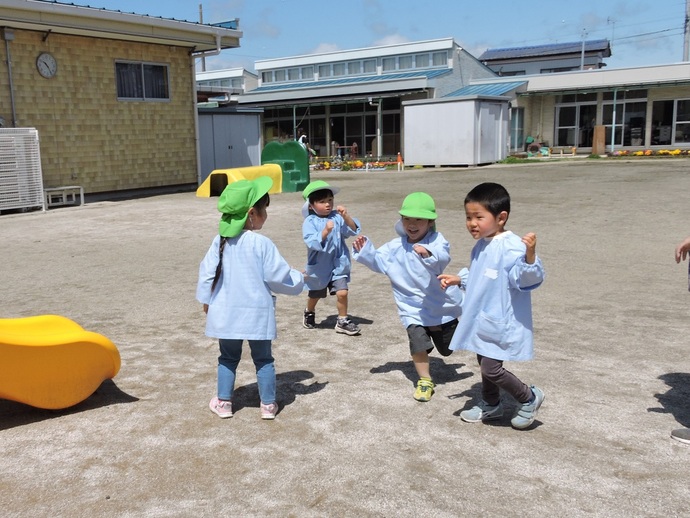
[{"x": 425, "y": 389}]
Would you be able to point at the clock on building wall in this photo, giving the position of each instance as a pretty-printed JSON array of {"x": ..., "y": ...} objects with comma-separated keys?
[{"x": 46, "y": 65}]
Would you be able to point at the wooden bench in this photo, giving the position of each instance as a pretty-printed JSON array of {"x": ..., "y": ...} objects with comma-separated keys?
[
  {"x": 65, "y": 195},
  {"x": 562, "y": 151}
]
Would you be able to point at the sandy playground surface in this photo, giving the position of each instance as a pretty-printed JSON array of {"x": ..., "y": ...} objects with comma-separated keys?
[{"x": 611, "y": 339}]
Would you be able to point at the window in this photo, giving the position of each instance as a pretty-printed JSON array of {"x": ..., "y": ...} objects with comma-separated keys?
[
  {"x": 575, "y": 122},
  {"x": 354, "y": 68},
  {"x": 571, "y": 98},
  {"x": 388, "y": 64},
  {"x": 439, "y": 59},
  {"x": 293, "y": 74},
  {"x": 279, "y": 75},
  {"x": 339, "y": 69},
  {"x": 558, "y": 69},
  {"x": 267, "y": 77},
  {"x": 404, "y": 62},
  {"x": 369, "y": 66},
  {"x": 421, "y": 61},
  {"x": 566, "y": 126},
  {"x": 517, "y": 129},
  {"x": 308, "y": 73},
  {"x": 682, "y": 121},
  {"x": 625, "y": 94},
  {"x": 324, "y": 71},
  {"x": 629, "y": 123},
  {"x": 142, "y": 81}
]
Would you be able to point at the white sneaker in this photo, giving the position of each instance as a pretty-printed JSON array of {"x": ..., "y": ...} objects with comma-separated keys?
[{"x": 482, "y": 412}]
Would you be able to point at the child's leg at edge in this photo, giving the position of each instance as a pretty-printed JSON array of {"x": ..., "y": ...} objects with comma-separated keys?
[
  {"x": 495, "y": 377},
  {"x": 311, "y": 304},
  {"x": 420, "y": 347},
  {"x": 265, "y": 370},
  {"x": 341, "y": 303},
  {"x": 230, "y": 355},
  {"x": 421, "y": 364}
]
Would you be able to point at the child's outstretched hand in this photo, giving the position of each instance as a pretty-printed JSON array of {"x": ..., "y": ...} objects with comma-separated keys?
[
  {"x": 341, "y": 210},
  {"x": 682, "y": 249},
  {"x": 530, "y": 241},
  {"x": 423, "y": 252},
  {"x": 359, "y": 243},
  {"x": 448, "y": 280}
]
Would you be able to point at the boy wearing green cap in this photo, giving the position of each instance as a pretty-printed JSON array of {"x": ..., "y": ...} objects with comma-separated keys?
[
  {"x": 325, "y": 229},
  {"x": 412, "y": 263},
  {"x": 237, "y": 279}
]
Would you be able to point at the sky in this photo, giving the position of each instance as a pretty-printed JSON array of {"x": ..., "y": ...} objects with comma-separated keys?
[{"x": 641, "y": 32}]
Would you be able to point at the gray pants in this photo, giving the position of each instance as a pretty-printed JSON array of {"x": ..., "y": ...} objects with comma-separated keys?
[{"x": 495, "y": 377}]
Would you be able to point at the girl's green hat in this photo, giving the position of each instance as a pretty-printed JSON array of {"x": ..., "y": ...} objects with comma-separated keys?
[
  {"x": 235, "y": 202},
  {"x": 418, "y": 205},
  {"x": 318, "y": 185}
]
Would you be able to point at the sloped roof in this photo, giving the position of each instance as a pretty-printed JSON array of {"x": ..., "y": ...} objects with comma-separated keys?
[
  {"x": 487, "y": 89},
  {"x": 53, "y": 16},
  {"x": 553, "y": 49},
  {"x": 273, "y": 87}
]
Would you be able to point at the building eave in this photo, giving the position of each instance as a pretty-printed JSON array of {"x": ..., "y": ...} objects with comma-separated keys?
[
  {"x": 59, "y": 18},
  {"x": 343, "y": 55},
  {"x": 373, "y": 88}
]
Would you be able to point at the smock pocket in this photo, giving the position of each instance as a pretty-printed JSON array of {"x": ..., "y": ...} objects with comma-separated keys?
[{"x": 493, "y": 330}]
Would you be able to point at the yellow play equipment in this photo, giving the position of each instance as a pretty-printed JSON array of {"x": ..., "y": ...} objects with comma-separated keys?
[
  {"x": 220, "y": 178},
  {"x": 49, "y": 361}
]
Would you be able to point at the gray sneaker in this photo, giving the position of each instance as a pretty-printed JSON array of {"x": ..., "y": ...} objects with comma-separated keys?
[
  {"x": 527, "y": 413},
  {"x": 346, "y": 326},
  {"x": 682, "y": 435},
  {"x": 482, "y": 412}
]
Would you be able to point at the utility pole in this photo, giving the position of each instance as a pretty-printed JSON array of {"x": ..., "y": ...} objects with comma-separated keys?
[
  {"x": 582, "y": 55},
  {"x": 612, "y": 22},
  {"x": 686, "y": 38}
]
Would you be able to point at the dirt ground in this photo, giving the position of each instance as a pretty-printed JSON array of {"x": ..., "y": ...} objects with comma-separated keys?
[{"x": 611, "y": 341}]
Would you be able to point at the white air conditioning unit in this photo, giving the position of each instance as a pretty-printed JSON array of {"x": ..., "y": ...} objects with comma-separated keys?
[{"x": 21, "y": 177}]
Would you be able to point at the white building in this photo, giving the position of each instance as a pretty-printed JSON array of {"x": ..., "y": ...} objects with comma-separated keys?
[
  {"x": 357, "y": 97},
  {"x": 351, "y": 101}
]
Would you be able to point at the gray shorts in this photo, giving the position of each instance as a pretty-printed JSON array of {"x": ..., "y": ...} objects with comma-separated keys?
[
  {"x": 425, "y": 338},
  {"x": 333, "y": 287}
]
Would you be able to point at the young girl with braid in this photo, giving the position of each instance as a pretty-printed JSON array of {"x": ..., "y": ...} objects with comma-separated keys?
[{"x": 237, "y": 278}]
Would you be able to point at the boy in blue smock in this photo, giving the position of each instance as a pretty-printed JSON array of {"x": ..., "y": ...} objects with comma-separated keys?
[
  {"x": 325, "y": 229},
  {"x": 497, "y": 310},
  {"x": 237, "y": 278},
  {"x": 412, "y": 262}
]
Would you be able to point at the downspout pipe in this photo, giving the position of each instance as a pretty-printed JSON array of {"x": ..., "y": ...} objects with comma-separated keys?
[
  {"x": 193, "y": 57},
  {"x": 8, "y": 35},
  {"x": 208, "y": 53}
]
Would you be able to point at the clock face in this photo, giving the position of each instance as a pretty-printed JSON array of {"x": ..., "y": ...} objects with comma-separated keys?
[{"x": 46, "y": 65}]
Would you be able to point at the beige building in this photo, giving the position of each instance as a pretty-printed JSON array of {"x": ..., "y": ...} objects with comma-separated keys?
[{"x": 111, "y": 94}]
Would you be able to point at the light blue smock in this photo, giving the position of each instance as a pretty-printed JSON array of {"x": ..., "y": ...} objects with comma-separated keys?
[
  {"x": 328, "y": 259},
  {"x": 414, "y": 279},
  {"x": 242, "y": 305},
  {"x": 497, "y": 310}
]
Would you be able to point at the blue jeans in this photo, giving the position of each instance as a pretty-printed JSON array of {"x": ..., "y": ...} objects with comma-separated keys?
[{"x": 230, "y": 355}]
